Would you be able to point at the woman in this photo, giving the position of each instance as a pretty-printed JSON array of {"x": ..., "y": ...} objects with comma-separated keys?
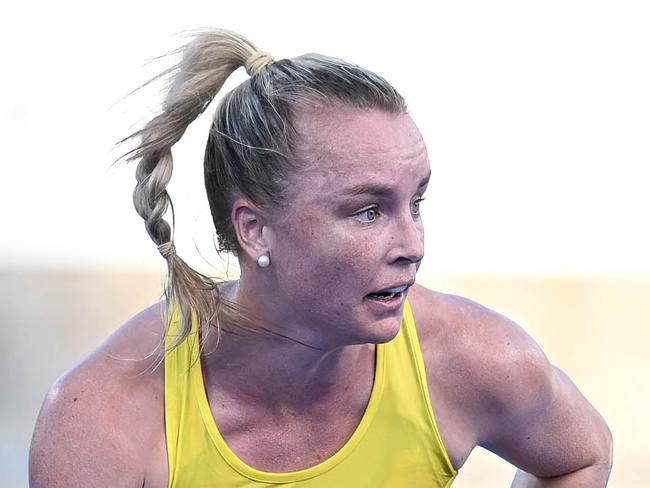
[{"x": 312, "y": 369}]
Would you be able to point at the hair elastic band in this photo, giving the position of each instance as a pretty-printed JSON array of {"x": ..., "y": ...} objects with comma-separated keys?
[
  {"x": 167, "y": 249},
  {"x": 257, "y": 61}
]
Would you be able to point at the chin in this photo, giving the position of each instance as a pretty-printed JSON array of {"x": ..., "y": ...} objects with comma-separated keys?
[{"x": 381, "y": 331}]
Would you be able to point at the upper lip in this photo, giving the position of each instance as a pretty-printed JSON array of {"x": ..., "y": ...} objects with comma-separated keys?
[{"x": 408, "y": 284}]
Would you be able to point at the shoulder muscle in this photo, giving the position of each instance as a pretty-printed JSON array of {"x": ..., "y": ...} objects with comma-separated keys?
[
  {"x": 92, "y": 426},
  {"x": 522, "y": 407}
]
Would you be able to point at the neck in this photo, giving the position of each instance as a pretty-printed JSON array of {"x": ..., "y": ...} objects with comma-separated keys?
[{"x": 279, "y": 371}]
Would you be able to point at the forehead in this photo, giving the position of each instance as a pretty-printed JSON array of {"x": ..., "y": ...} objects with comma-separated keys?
[{"x": 347, "y": 146}]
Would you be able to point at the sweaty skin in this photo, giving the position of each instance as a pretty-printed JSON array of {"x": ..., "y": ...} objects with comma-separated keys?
[{"x": 352, "y": 227}]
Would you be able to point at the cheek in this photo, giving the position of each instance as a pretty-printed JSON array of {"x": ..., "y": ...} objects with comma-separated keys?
[{"x": 319, "y": 255}]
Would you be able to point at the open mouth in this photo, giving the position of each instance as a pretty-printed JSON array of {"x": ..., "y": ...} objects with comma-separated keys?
[{"x": 388, "y": 294}]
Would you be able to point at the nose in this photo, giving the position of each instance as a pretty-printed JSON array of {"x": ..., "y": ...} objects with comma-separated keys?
[{"x": 407, "y": 240}]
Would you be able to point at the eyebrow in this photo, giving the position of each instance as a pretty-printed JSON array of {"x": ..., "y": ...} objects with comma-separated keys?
[{"x": 378, "y": 190}]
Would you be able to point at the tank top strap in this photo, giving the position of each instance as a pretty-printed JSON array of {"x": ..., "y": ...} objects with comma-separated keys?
[{"x": 411, "y": 346}]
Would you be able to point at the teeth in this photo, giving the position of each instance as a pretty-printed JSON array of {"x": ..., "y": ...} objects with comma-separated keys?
[
  {"x": 397, "y": 289},
  {"x": 385, "y": 297}
]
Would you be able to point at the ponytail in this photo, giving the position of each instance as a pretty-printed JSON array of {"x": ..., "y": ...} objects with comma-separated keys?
[
  {"x": 206, "y": 62},
  {"x": 250, "y": 151}
]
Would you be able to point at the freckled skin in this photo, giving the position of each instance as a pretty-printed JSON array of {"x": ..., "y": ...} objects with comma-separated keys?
[{"x": 325, "y": 258}]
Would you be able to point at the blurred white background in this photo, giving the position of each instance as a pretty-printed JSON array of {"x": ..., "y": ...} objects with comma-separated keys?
[
  {"x": 535, "y": 115},
  {"x": 536, "y": 119}
]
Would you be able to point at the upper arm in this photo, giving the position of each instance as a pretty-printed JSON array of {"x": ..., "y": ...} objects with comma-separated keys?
[
  {"x": 542, "y": 424},
  {"x": 535, "y": 416},
  {"x": 503, "y": 391},
  {"x": 102, "y": 422},
  {"x": 76, "y": 441}
]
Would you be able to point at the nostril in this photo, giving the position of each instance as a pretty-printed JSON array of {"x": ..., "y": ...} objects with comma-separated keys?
[{"x": 407, "y": 240}]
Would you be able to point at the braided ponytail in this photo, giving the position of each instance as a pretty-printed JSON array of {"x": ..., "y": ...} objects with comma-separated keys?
[
  {"x": 206, "y": 62},
  {"x": 250, "y": 150}
]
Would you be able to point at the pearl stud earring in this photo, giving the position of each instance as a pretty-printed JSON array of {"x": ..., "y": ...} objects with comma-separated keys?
[{"x": 263, "y": 261}]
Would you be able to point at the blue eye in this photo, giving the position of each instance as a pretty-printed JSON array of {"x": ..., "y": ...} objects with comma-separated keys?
[
  {"x": 370, "y": 214},
  {"x": 415, "y": 209}
]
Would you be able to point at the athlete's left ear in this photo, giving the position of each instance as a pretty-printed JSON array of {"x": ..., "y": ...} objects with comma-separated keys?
[{"x": 251, "y": 228}]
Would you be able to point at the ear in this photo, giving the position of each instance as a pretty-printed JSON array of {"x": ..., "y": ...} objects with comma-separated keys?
[{"x": 248, "y": 223}]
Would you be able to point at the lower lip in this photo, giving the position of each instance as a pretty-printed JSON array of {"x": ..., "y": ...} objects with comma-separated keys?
[{"x": 390, "y": 305}]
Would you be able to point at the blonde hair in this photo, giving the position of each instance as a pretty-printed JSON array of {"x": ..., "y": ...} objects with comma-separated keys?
[{"x": 249, "y": 149}]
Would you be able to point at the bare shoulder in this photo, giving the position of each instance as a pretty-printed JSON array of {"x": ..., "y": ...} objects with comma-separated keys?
[
  {"x": 487, "y": 348},
  {"x": 493, "y": 386},
  {"x": 476, "y": 360},
  {"x": 103, "y": 420}
]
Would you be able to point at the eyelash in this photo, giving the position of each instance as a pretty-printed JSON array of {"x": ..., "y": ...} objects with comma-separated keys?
[{"x": 374, "y": 208}]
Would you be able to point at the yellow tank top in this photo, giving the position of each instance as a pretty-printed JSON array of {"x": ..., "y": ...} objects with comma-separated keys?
[{"x": 396, "y": 444}]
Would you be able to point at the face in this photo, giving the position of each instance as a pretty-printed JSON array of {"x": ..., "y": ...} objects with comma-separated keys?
[{"x": 352, "y": 227}]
